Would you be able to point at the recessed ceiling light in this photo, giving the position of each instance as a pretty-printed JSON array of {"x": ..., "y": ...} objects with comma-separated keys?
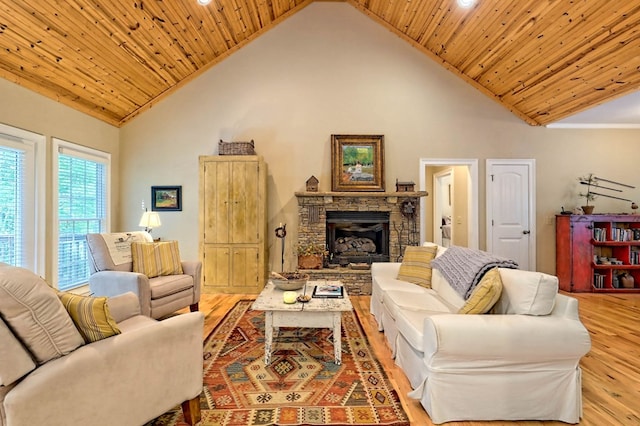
[
  {"x": 466, "y": 3},
  {"x": 204, "y": 2}
]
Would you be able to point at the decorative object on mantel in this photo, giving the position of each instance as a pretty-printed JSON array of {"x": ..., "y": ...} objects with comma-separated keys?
[
  {"x": 236, "y": 148},
  {"x": 357, "y": 163},
  {"x": 310, "y": 255},
  {"x": 592, "y": 181},
  {"x": 312, "y": 184},
  {"x": 405, "y": 186}
]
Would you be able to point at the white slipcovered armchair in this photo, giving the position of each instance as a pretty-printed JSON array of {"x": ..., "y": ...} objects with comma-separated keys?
[{"x": 112, "y": 274}]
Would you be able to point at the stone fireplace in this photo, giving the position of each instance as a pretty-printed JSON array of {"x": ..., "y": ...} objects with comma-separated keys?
[{"x": 358, "y": 228}]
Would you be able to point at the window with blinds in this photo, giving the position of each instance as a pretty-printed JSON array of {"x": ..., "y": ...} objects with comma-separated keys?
[
  {"x": 12, "y": 244},
  {"x": 82, "y": 208},
  {"x": 18, "y": 224}
]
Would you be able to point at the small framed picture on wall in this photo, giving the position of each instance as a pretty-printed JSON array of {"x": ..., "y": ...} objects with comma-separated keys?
[{"x": 166, "y": 198}]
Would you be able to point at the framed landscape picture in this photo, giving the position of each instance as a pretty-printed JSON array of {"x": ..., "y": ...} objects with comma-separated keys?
[
  {"x": 167, "y": 198},
  {"x": 357, "y": 163}
]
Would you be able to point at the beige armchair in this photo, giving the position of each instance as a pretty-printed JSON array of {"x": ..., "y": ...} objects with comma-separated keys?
[
  {"x": 111, "y": 274},
  {"x": 49, "y": 374}
]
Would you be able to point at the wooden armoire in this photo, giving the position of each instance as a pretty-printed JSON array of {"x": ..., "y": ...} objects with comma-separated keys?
[{"x": 233, "y": 208}]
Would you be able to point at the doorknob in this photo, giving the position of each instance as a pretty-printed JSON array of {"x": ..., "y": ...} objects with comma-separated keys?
[{"x": 526, "y": 232}]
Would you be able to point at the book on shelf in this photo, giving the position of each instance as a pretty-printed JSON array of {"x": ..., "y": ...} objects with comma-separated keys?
[
  {"x": 328, "y": 291},
  {"x": 599, "y": 234},
  {"x": 617, "y": 234},
  {"x": 621, "y": 234},
  {"x": 598, "y": 280}
]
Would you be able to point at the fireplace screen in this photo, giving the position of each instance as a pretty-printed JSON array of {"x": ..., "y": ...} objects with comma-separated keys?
[{"x": 357, "y": 237}]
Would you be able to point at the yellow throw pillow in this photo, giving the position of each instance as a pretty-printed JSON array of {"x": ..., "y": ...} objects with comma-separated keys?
[
  {"x": 90, "y": 315},
  {"x": 485, "y": 295},
  {"x": 416, "y": 265},
  {"x": 156, "y": 259}
]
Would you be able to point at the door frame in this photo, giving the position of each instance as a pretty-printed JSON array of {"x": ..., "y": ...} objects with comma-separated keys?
[
  {"x": 472, "y": 164},
  {"x": 531, "y": 163},
  {"x": 437, "y": 204}
]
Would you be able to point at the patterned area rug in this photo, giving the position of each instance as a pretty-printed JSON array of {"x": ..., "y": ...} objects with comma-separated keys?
[{"x": 302, "y": 386}]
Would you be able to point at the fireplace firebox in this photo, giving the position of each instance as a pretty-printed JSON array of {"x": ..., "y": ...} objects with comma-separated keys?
[{"x": 357, "y": 236}]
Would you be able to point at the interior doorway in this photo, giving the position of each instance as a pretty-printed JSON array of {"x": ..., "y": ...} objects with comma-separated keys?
[
  {"x": 464, "y": 204},
  {"x": 443, "y": 187}
]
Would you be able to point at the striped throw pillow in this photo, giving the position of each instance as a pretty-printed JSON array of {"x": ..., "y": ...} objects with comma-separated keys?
[
  {"x": 416, "y": 265},
  {"x": 90, "y": 315},
  {"x": 156, "y": 259},
  {"x": 485, "y": 295}
]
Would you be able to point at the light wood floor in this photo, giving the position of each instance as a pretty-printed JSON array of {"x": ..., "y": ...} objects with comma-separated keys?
[{"x": 611, "y": 370}]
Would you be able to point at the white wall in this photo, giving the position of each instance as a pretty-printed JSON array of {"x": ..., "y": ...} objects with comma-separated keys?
[
  {"x": 27, "y": 110},
  {"x": 330, "y": 69}
]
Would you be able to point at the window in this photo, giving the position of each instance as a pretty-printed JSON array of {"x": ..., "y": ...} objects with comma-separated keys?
[
  {"x": 21, "y": 195},
  {"x": 82, "y": 206}
]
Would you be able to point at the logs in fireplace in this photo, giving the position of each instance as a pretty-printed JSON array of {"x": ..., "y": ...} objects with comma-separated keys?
[
  {"x": 359, "y": 245},
  {"x": 357, "y": 237}
]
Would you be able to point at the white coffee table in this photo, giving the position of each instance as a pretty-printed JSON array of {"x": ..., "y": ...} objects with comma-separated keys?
[{"x": 317, "y": 313}]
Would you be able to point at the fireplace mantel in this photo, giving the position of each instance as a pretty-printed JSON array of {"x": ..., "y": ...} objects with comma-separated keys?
[{"x": 368, "y": 194}]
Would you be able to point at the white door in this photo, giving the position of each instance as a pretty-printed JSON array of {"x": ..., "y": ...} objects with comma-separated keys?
[{"x": 511, "y": 210}]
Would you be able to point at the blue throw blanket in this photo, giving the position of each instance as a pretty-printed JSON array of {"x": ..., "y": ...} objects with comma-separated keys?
[{"x": 463, "y": 267}]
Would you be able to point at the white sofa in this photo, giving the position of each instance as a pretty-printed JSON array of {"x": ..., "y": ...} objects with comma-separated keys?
[{"x": 518, "y": 362}]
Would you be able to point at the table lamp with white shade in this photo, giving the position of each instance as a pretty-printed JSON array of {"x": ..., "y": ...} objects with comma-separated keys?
[{"x": 150, "y": 220}]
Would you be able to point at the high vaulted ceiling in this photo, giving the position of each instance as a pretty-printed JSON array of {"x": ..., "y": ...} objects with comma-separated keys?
[{"x": 544, "y": 60}]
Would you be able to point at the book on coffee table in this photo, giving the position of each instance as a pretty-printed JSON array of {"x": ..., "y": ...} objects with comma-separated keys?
[{"x": 328, "y": 291}]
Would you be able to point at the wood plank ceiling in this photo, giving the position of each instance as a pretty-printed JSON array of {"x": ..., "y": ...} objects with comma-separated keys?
[{"x": 112, "y": 59}]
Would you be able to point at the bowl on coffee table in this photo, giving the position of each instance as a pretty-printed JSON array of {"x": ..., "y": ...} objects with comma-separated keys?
[{"x": 288, "y": 281}]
